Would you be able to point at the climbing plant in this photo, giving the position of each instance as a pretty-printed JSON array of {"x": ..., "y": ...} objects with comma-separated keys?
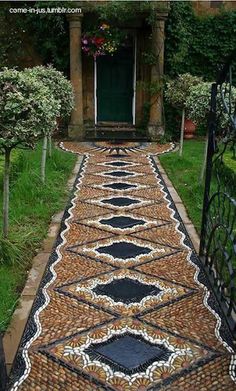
[
  {"x": 198, "y": 44},
  {"x": 121, "y": 11},
  {"x": 47, "y": 33}
]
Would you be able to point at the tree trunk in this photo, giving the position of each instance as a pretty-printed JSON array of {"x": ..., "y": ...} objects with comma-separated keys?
[
  {"x": 44, "y": 157},
  {"x": 182, "y": 133},
  {"x": 6, "y": 193},
  {"x": 50, "y": 146},
  {"x": 204, "y": 161}
]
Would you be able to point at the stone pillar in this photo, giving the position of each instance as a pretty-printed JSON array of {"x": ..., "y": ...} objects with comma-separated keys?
[
  {"x": 76, "y": 126},
  {"x": 156, "y": 119}
]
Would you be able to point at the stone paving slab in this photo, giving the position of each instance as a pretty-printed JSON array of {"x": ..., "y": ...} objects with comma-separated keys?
[{"x": 124, "y": 303}]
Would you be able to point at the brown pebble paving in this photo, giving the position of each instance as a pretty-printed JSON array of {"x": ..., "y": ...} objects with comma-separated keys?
[{"x": 121, "y": 306}]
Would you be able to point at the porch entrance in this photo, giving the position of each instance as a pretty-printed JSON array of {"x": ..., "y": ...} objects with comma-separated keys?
[{"x": 115, "y": 87}]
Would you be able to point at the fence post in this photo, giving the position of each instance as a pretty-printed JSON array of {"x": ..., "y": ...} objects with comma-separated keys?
[{"x": 210, "y": 153}]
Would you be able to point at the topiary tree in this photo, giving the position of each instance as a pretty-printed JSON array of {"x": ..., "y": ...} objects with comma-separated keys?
[
  {"x": 198, "y": 104},
  {"x": 27, "y": 111},
  {"x": 62, "y": 91},
  {"x": 177, "y": 92}
]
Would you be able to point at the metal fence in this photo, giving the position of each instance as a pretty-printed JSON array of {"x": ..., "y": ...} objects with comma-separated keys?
[
  {"x": 218, "y": 233},
  {"x": 3, "y": 372}
]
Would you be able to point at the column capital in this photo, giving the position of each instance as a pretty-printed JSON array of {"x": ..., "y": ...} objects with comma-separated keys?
[
  {"x": 161, "y": 16},
  {"x": 74, "y": 20}
]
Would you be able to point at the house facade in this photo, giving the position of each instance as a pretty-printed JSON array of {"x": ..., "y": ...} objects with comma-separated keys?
[{"x": 120, "y": 91}]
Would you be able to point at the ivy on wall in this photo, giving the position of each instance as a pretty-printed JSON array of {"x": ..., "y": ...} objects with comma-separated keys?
[
  {"x": 198, "y": 44},
  {"x": 47, "y": 34},
  {"x": 51, "y": 36}
]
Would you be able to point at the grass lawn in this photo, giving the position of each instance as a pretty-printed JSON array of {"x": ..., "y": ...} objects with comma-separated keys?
[
  {"x": 184, "y": 172},
  {"x": 31, "y": 208},
  {"x": 230, "y": 161}
]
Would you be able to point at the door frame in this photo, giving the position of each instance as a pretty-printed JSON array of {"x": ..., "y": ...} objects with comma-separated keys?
[{"x": 134, "y": 86}]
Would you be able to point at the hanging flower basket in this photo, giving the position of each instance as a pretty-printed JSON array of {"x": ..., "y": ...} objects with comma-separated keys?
[{"x": 103, "y": 41}]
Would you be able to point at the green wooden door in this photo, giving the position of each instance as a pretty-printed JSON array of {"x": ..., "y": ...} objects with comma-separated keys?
[{"x": 115, "y": 86}]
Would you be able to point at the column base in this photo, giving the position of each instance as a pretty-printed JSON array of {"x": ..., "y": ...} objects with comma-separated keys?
[
  {"x": 155, "y": 132},
  {"x": 76, "y": 132}
]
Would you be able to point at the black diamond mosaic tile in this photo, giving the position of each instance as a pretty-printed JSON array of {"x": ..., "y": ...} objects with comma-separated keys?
[
  {"x": 120, "y": 201},
  {"x": 122, "y": 222},
  {"x": 126, "y": 290},
  {"x": 128, "y": 354},
  {"x": 119, "y": 186},
  {"x": 123, "y": 250},
  {"x": 118, "y": 173},
  {"x": 118, "y": 155},
  {"x": 117, "y": 164}
]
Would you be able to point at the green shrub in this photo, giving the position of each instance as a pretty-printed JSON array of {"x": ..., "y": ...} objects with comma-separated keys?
[
  {"x": 198, "y": 104},
  {"x": 27, "y": 109},
  {"x": 58, "y": 85}
]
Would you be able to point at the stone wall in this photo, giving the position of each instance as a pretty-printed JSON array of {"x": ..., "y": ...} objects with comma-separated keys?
[{"x": 212, "y": 7}]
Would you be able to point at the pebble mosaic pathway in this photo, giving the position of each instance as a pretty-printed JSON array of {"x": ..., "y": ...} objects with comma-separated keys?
[{"x": 124, "y": 304}]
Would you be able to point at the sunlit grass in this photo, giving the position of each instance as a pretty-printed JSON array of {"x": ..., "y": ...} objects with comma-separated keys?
[
  {"x": 185, "y": 172},
  {"x": 31, "y": 208}
]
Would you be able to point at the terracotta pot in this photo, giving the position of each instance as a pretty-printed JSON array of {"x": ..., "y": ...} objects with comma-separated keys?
[{"x": 189, "y": 129}]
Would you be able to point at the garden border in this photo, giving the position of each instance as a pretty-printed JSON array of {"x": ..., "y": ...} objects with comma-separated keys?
[
  {"x": 179, "y": 206},
  {"x": 15, "y": 330}
]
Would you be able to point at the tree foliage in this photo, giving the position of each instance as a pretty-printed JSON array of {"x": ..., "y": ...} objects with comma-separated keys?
[
  {"x": 27, "y": 109},
  {"x": 61, "y": 90},
  {"x": 27, "y": 112},
  {"x": 58, "y": 85},
  {"x": 198, "y": 103},
  {"x": 178, "y": 90}
]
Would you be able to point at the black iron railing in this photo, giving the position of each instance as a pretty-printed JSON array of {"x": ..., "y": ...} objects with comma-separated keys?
[
  {"x": 3, "y": 372},
  {"x": 218, "y": 233}
]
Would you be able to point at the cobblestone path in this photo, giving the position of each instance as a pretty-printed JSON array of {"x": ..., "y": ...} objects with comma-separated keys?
[{"x": 123, "y": 304}]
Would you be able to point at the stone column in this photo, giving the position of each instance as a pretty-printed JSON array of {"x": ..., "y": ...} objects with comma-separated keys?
[
  {"x": 156, "y": 120},
  {"x": 76, "y": 126}
]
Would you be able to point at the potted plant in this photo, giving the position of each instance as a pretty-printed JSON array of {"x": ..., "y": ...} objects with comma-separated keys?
[{"x": 177, "y": 92}]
